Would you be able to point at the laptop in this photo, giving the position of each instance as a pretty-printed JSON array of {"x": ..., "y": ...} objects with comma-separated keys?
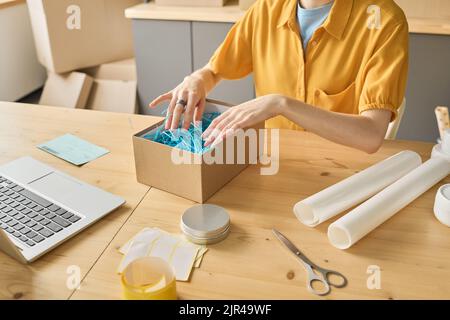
[{"x": 41, "y": 207}]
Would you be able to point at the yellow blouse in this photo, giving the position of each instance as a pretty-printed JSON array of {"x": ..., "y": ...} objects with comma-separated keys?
[{"x": 357, "y": 60}]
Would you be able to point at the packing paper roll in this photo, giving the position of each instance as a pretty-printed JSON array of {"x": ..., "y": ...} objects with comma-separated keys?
[
  {"x": 360, "y": 221},
  {"x": 355, "y": 189}
]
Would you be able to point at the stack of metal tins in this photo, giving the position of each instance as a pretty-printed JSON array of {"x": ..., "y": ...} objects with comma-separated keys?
[{"x": 205, "y": 224}]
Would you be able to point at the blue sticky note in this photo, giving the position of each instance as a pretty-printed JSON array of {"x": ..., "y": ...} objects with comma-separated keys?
[{"x": 73, "y": 149}]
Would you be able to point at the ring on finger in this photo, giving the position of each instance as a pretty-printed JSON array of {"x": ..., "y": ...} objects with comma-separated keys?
[{"x": 182, "y": 102}]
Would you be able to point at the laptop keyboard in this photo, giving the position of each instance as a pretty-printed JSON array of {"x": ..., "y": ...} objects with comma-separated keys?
[{"x": 28, "y": 217}]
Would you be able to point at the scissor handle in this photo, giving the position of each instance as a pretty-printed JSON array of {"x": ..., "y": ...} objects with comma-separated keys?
[
  {"x": 312, "y": 278},
  {"x": 324, "y": 272},
  {"x": 326, "y": 276}
]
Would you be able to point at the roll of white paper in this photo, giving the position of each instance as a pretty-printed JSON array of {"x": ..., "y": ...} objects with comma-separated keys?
[
  {"x": 355, "y": 189},
  {"x": 349, "y": 229}
]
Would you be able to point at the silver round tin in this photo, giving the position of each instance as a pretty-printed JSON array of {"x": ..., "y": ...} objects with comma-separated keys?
[{"x": 205, "y": 224}]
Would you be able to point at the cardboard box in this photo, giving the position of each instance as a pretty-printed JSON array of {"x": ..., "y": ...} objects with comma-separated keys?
[
  {"x": 113, "y": 96},
  {"x": 75, "y": 34},
  {"x": 118, "y": 70},
  {"x": 191, "y": 3},
  {"x": 69, "y": 90},
  {"x": 197, "y": 180}
]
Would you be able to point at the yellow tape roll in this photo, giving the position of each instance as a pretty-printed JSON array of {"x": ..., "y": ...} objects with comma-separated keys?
[{"x": 149, "y": 278}]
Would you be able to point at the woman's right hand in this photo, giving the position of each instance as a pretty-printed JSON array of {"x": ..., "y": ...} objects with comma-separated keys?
[{"x": 188, "y": 98}]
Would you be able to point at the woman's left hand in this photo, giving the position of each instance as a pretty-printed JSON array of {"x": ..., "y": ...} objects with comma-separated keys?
[{"x": 242, "y": 116}]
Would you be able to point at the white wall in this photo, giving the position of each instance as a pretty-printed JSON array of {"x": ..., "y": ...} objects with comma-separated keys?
[{"x": 20, "y": 71}]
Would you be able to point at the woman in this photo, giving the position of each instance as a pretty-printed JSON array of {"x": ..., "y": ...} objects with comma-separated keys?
[{"x": 336, "y": 68}]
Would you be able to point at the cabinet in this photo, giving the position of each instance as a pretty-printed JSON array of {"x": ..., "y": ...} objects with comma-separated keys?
[
  {"x": 163, "y": 52},
  {"x": 207, "y": 36},
  {"x": 167, "y": 51},
  {"x": 428, "y": 86}
]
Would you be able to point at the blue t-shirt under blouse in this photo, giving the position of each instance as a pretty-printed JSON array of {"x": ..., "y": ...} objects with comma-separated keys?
[{"x": 310, "y": 20}]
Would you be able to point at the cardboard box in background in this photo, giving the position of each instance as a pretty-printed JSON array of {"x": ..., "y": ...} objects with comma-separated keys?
[
  {"x": 118, "y": 70},
  {"x": 75, "y": 34},
  {"x": 191, "y": 3},
  {"x": 113, "y": 96},
  {"x": 67, "y": 90},
  {"x": 197, "y": 181},
  {"x": 115, "y": 87}
]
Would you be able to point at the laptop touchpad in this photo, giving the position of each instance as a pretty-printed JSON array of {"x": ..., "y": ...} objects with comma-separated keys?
[{"x": 56, "y": 186}]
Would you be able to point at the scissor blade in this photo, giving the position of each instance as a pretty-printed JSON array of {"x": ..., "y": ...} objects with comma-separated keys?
[{"x": 286, "y": 242}]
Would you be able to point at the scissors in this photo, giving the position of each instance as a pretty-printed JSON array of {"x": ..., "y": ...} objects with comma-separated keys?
[{"x": 315, "y": 273}]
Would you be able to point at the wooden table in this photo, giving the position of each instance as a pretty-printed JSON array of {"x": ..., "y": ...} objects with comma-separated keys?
[
  {"x": 22, "y": 128},
  {"x": 412, "y": 249}
]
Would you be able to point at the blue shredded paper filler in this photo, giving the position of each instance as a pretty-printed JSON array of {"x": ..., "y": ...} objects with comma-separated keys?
[{"x": 188, "y": 140}]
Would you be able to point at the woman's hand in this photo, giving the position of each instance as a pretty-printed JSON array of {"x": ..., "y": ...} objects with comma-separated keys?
[
  {"x": 189, "y": 98},
  {"x": 243, "y": 116}
]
